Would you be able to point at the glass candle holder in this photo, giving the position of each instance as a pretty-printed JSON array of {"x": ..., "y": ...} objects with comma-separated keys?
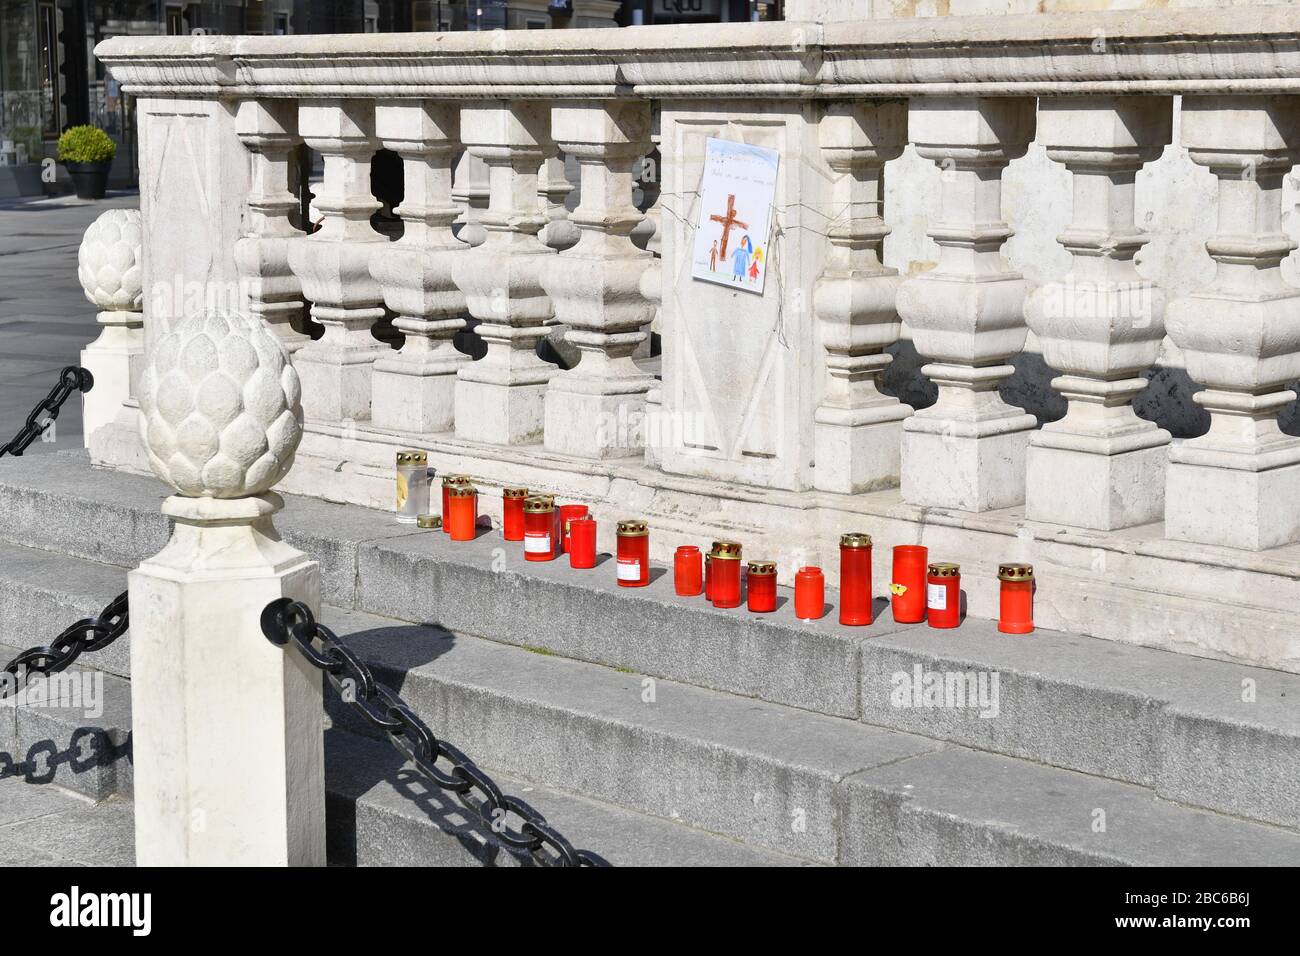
[
  {"x": 412, "y": 485},
  {"x": 582, "y": 542},
  {"x": 462, "y": 512},
  {"x": 760, "y": 587},
  {"x": 541, "y": 529},
  {"x": 688, "y": 571},
  {"x": 809, "y": 594},
  {"x": 1016, "y": 602},
  {"x": 907, "y": 591},
  {"x": 943, "y": 595},
  {"x": 449, "y": 482},
  {"x": 512, "y": 513},
  {"x": 855, "y": 578},
  {"x": 567, "y": 514},
  {"x": 725, "y": 574},
  {"x": 633, "y": 554}
]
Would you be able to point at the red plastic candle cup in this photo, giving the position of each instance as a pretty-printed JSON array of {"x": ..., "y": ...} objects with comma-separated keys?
[
  {"x": 1016, "y": 603},
  {"x": 708, "y": 573},
  {"x": 462, "y": 508},
  {"x": 725, "y": 574},
  {"x": 943, "y": 595},
  {"x": 582, "y": 543},
  {"x": 541, "y": 530},
  {"x": 855, "y": 578},
  {"x": 449, "y": 482},
  {"x": 907, "y": 591},
  {"x": 688, "y": 574},
  {"x": 633, "y": 554},
  {"x": 761, "y": 587},
  {"x": 512, "y": 513},
  {"x": 567, "y": 514},
  {"x": 809, "y": 594}
]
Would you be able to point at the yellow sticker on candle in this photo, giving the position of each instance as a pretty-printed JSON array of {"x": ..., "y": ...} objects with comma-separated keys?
[
  {"x": 898, "y": 588},
  {"x": 402, "y": 491}
]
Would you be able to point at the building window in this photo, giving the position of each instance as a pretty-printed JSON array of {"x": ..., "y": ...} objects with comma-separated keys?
[
  {"x": 49, "y": 49},
  {"x": 175, "y": 22}
]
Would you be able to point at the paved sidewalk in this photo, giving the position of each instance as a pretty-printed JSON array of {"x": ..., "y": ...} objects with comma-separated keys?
[
  {"x": 45, "y": 319},
  {"x": 43, "y": 825}
]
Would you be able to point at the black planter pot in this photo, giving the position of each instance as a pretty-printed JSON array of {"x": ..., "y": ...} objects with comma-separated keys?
[{"x": 89, "y": 179}]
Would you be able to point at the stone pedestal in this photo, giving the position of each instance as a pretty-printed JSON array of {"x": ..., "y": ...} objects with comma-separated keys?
[
  {"x": 227, "y": 727},
  {"x": 109, "y": 360}
]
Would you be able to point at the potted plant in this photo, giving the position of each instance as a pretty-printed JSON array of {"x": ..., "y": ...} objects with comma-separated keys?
[{"x": 87, "y": 154}]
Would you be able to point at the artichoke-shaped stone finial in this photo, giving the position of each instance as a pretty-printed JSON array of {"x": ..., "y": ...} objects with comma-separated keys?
[
  {"x": 222, "y": 412},
  {"x": 108, "y": 263}
]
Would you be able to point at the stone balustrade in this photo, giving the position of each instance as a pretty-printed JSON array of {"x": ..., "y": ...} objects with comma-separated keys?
[{"x": 963, "y": 340}]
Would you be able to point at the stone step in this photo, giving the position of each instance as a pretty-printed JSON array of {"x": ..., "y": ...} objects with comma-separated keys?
[
  {"x": 825, "y": 789},
  {"x": 1207, "y": 733}
]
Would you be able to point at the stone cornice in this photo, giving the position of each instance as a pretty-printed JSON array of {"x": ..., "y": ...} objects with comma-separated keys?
[{"x": 1238, "y": 49}]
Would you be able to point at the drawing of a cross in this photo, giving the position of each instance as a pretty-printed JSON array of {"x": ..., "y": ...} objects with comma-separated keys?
[{"x": 728, "y": 221}]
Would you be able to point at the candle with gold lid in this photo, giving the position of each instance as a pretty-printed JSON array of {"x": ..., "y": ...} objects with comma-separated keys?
[
  {"x": 412, "y": 485},
  {"x": 512, "y": 513},
  {"x": 449, "y": 482},
  {"x": 1016, "y": 602},
  {"x": 725, "y": 574},
  {"x": 541, "y": 530},
  {"x": 760, "y": 586},
  {"x": 633, "y": 558},
  {"x": 855, "y": 578},
  {"x": 943, "y": 594}
]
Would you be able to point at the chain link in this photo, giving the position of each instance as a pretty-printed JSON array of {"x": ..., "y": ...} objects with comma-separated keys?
[
  {"x": 71, "y": 379},
  {"x": 284, "y": 620},
  {"x": 91, "y": 634}
]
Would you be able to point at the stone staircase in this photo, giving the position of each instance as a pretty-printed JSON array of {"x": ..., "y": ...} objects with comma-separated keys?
[{"x": 653, "y": 729}]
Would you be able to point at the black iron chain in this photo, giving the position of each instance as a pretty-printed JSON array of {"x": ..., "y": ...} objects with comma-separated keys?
[
  {"x": 91, "y": 634},
  {"x": 284, "y": 620},
  {"x": 71, "y": 379}
]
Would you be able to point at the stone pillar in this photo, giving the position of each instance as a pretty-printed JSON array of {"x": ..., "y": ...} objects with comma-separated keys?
[
  {"x": 414, "y": 389},
  {"x": 109, "y": 267},
  {"x": 1102, "y": 324},
  {"x": 594, "y": 410},
  {"x": 470, "y": 191},
  {"x": 333, "y": 264},
  {"x": 1239, "y": 484},
  {"x": 226, "y": 727},
  {"x": 553, "y": 188},
  {"x": 858, "y": 429},
  {"x": 499, "y": 398},
  {"x": 967, "y": 451},
  {"x": 269, "y": 129}
]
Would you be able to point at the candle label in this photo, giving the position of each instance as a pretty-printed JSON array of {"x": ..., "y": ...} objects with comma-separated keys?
[
  {"x": 629, "y": 570},
  {"x": 537, "y": 543},
  {"x": 936, "y": 597}
]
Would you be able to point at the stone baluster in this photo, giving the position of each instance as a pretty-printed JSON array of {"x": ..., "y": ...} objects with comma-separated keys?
[
  {"x": 333, "y": 264},
  {"x": 967, "y": 451},
  {"x": 499, "y": 398},
  {"x": 553, "y": 188},
  {"x": 594, "y": 410},
  {"x": 470, "y": 191},
  {"x": 1102, "y": 324},
  {"x": 1239, "y": 484},
  {"x": 648, "y": 235},
  {"x": 268, "y": 128},
  {"x": 858, "y": 430},
  {"x": 414, "y": 389}
]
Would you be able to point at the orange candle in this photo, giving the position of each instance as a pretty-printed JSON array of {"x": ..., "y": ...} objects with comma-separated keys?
[
  {"x": 512, "y": 513},
  {"x": 1016, "y": 603},
  {"x": 907, "y": 592},
  {"x": 809, "y": 594},
  {"x": 462, "y": 508}
]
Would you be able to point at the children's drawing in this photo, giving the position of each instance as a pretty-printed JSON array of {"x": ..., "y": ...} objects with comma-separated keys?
[{"x": 736, "y": 200}]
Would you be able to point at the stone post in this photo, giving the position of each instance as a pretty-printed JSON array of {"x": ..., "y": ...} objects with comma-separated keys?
[
  {"x": 108, "y": 265},
  {"x": 333, "y": 264},
  {"x": 967, "y": 451},
  {"x": 1238, "y": 484},
  {"x": 499, "y": 398},
  {"x": 1102, "y": 324},
  {"x": 226, "y": 727},
  {"x": 594, "y": 410},
  {"x": 858, "y": 429},
  {"x": 414, "y": 390}
]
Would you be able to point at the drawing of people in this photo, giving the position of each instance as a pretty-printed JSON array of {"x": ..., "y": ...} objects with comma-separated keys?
[
  {"x": 753, "y": 266},
  {"x": 740, "y": 259},
  {"x": 713, "y": 257}
]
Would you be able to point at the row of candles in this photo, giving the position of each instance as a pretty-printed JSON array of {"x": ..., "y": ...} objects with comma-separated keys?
[{"x": 920, "y": 590}]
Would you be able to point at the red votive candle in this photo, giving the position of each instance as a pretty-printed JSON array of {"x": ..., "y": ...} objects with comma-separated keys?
[
  {"x": 855, "y": 578},
  {"x": 633, "y": 554},
  {"x": 541, "y": 530},
  {"x": 1016, "y": 603},
  {"x": 907, "y": 592},
  {"x": 512, "y": 513},
  {"x": 943, "y": 595},
  {"x": 688, "y": 574},
  {"x": 462, "y": 512},
  {"x": 582, "y": 543},
  {"x": 809, "y": 594},
  {"x": 760, "y": 586},
  {"x": 567, "y": 514},
  {"x": 708, "y": 571},
  {"x": 725, "y": 574},
  {"x": 449, "y": 482}
]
